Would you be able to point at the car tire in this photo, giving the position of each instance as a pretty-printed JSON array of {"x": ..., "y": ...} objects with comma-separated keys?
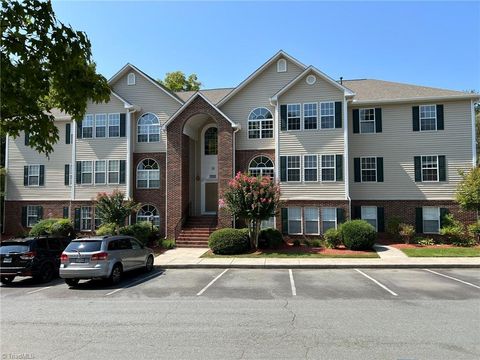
[
  {"x": 6, "y": 280},
  {"x": 72, "y": 282},
  {"x": 115, "y": 275},
  {"x": 149, "y": 264},
  {"x": 47, "y": 272}
]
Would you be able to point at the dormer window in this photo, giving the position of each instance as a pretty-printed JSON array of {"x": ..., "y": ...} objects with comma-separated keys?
[
  {"x": 282, "y": 65},
  {"x": 131, "y": 79}
]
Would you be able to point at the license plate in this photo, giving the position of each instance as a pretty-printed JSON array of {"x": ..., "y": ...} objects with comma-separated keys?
[
  {"x": 78, "y": 260},
  {"x": 7, "y": 260}
]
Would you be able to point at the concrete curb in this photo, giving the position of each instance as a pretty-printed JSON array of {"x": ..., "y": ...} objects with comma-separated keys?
[{"x": 319, "y": 266}]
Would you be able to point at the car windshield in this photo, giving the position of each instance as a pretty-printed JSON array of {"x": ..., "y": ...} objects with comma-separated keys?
[
  {"x": 14, "y": 248},
  {"x": 84, "y": 246}
]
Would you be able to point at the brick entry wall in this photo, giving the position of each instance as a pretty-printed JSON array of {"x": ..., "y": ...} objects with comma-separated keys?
[{"x": 243, "y": 157}]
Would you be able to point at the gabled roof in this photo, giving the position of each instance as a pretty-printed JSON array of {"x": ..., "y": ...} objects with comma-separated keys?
[
  {"x": 185, "y": 105},
  {"x": 214, "y": 95},
  {"x": 275, "y": 57},
  {"x": 320, "y": 74},
  {"x": 125, "y": 102},
  {"x": 129, "y": 66}
]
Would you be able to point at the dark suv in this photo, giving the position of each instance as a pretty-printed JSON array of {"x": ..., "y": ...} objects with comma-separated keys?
[{"x": 37, "y": 257}]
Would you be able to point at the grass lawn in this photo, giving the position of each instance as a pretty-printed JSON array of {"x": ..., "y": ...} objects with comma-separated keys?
[
  {"x": 442, "y": 251},
  {"x": 296, "y": 254}
]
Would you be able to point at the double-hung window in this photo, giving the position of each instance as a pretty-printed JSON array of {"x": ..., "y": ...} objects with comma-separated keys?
[
  {"x": 293, "y": 168},
  {"x": 113, "y": 125},
  {"x": 97, "y": 220},
  {"x": 431, "y": 220},
  {"x": 368, "y": 169},
  {"x": 260, "y": 124},
  {"x": 295, "y": 220},
  {"x": 100, "y": 125},
  {"x": 87, "y": 172},
  {"x": 33, "y": 175},
  {"x": 430, "y": 168},
  {"x": 148, "y": 128},
  {"x": 148, "y": 174},
  {"x": 33, "y": 215},
  {"x": 293, "y": 117},
  {"x": 86, "y": 218},
  {"x": 100, "y": 171},
  {"x": 311, "y": 217},
  {"x": 310, "y": 168},
  {"x": 428, "y": 117},
  {"x": 367, "y": 121},
  {"x": 310, "y": 116},
  {"x": 328, "y": 167},
  {"x": 327, "y": 115},
  {"x": 87, "y": 127},
  {"x": 113, "y": 171},
  {"x": 329, "y": 219},
  {"x": 369, "y": 214},
  {"x": 261, "y": 166}
]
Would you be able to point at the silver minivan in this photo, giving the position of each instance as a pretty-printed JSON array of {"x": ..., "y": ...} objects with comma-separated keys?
[{"x": 105, "y": 257}]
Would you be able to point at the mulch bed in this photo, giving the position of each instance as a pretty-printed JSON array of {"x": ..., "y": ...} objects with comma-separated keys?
[{"x": 290, "y": 248}]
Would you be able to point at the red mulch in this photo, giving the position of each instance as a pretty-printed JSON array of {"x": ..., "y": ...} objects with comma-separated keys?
[{"x": 287, "y": 248}]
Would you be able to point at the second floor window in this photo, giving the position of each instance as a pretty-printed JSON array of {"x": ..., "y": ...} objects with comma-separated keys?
[
  {"x": 327, "y": 115},
  {"x": 261, "y": 166},
  {"x": 328, "y": 167},
  {"x": 310, "y": 168},
  {"x": 100, "y": 125},
  {"x": 293, "y": 117},
  {"x": 113, "y": 171},
  {"x": 367, "y": 121},
  {"x": 148, "y": 128},
  {"x": 369, "y": 169},
  {"x": 293, "y": 168},
  {"x": 428, "y": 117},
  {"x": 260, "y": 124},
  {"x": 113, "y": 125},
  {"x": 100, "y": 171},
  {"x": 148, "y": 174},
  {"x": 87, "y": 127},
  {"x": 87, "y": 172},
  {"x": 33, "y": 175},
  {"x": 310, "y": 116},
  {"x": 430, "y": 168}
]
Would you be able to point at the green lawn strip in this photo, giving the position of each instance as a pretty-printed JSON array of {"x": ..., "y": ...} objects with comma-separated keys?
[
  {"x": 299, "y": 254},
  {"x": 443, "y": 252}
]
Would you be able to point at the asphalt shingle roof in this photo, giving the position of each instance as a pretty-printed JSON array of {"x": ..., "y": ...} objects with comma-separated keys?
[{"x": 213, "y": 95}]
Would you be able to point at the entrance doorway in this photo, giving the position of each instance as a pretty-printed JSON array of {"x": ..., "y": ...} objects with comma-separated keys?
[{"x": 209, "y": 170}]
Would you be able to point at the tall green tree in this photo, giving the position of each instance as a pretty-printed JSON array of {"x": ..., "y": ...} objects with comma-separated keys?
[
  {"x": 468, "y": 191},
  {"x": 177, "y": 81},
  {"x": 44, "y": 64}
]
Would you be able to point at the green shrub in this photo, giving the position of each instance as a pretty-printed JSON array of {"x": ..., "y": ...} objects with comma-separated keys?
[
  {"x": 229, "y": 241},
  {"x": 393, "y": 226},
  {"x": 474, "y": 230},
  {"x": 167, "y": 243},
  {"x": 43, "y": 227},
  {"x": 333, "y": 238},
  {"x": 270, "y": 238},
  {"x": 106, "y": 229},
  {"x": 423, "y": 241},
  {"x": 316, "y": 243},
  {"x": 142, "y": 231},
  {"x": 307, "y": 242},
  {"x": 62, "y": 227},
  {"x": 406, "y": 232},
  {"x": 296, "y": 242},
  {"x": 358, "y": 235},
  {"x": 465, "y": 242}
]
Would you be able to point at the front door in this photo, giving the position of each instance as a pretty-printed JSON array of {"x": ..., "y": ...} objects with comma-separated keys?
[{"x": 209, "y": 163}]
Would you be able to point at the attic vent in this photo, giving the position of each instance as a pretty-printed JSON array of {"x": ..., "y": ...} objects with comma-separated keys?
[
  {"x": 311, "y": 79},
  {"x": 131, "y": 79},
  {"x": 282, "y": 65}
]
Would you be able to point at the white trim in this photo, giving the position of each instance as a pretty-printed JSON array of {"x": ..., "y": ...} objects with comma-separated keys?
[
  {"x": 126, "y": 104},
  {"x": 73, "y": 166},
  {"x": 376, "y": 215},
  {"x": 345, "y": 159},
  {"x": 289, "y": 219},
  {"x": 360, "y": 120},
  {"x": 420, "y": 117},
  {"x": 105, "y": 172},
  {"x": 119, "y": 121},
  {"x": 276, "y": 164},
  {"x": 309, "y": 168},
  {"x": 95, "y": 125},
  {"x": 418, "y": 99},
  {"x": 299, "y": 168},
  {"x": 317, "y": 127},
  {"x": 439, "y": 219},
  {"x": 148, "y": 134},
  {"x": 376, "y": 169},
  {"x": 322, "y": 218},
  {"x": 282, "y": 65},
  {"x": 128, "y": 163},
  {"x": 320, "y": 163},
  {"x": 320, "y": 115},
  {"x": 474, "y": 136},
  {"x": 305, "y": 220},
  {"x": 131, "y": 78},
  {"x": 260, "y": 121},
  {"x": 421, "y": 169},
  {"x": 299, "y": 116},
  {"x": 203, "y": 181},
  {"x": 149, "y": 170}
]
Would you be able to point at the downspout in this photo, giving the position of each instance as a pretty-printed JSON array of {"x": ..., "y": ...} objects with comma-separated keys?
[
  {"x": 274, "y": 102},
  {"x": 73, "y": 167},
  {"x": 234, "y": 146},
  {"x": 166, "y": 181},
  {"x": 346, "y": 157}
]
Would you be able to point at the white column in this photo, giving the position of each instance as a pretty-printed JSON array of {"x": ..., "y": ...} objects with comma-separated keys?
[
  {"x": 277, "y": 143},
  {"x": 346, "y": 161},
  {"x": 73, "y": 166}
]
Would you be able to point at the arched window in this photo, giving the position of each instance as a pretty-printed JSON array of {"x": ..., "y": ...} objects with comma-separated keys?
[
  {"x": 260, "y": 124},
  {"x": 148, "y": 128},
  {"x": 261, "y": 166},
  {"x": 148, "y": 174},
  {"x": 282, "y": 65},
  {"x": 148, "y": 213},
  {"x": 131, "y": 79},
  {"x": 211, "y": 141}
]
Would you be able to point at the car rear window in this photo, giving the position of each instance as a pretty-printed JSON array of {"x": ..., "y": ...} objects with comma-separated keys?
[
  {"x": 84, "y": 246},
  {"x": 14, "y": 248}
]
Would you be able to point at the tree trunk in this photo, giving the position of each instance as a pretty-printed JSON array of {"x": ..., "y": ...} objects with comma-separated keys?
[
  {"x": 117, "y": 229},
  {"x": 253, "y": 231}
]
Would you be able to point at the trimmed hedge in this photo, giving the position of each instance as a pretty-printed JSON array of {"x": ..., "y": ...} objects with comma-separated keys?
[
  {"x": 270, "y": 238},
  {"x": 229, "y": 241},
  {"x": 142, "y": 231},
  {"x": 55, "y": 227},
  {"x": 106, "y": 229},
  {"x": 358, "y": 235}
]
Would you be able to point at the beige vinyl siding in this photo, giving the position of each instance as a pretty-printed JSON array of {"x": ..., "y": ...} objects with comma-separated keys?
[
  {"x": 257, "y": 94},
  {"x": 20, "y": 155},
  {"x": 311, "y": 142},
  {"x": 398, "y": 144},
  {"x": 151, "y": 99}
]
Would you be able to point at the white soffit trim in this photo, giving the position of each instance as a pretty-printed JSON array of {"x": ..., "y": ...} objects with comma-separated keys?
[
  {"x": 270, "y": 61},
  {"x": 419, "y": 99}
]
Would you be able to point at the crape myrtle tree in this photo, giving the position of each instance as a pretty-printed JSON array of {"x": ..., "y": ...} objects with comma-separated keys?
[
  {"x": 468, "y": 190},
  {"x": 252, "y": 199},
  {"x": 114, "y": 208}
]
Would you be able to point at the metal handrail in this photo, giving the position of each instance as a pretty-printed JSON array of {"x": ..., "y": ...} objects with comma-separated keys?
[{"x": 181, "y": 222}]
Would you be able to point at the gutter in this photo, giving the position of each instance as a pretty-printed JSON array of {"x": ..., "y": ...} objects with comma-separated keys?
[
  {"x": 418, "y": 99},
  {"x": 237, "y": 129}
]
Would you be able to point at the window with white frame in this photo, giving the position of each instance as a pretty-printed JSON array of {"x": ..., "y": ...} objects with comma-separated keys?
[
  {"x": 293, "y": 117},
  {"x": 131, "y": 79},
  {"x": 367, "y": 121},
  {"x": 428, "y": 117},
  {"x": 33, "y": 215},
  {"x": 310, "y": 168},
  {"x": 97, "y": 220},
  {"x": 282, "y": 65},
  {"x": 327, "y": 115},
  {"x": 148, "y": 174},
  {"x": 293, "y": 168},
  {"x": 369, "y": 214},
  {"x": 261, "y": 166},
  {"x": 100, "y": 171},
  {"x": 260, "y": 124},
  {"x": 87, "y": 172},
  {"x": 100, "y": 125},
  {"x": 368, "y": 166},
  {"x": 148, "y": 128},
  {"x": 33, "y": 175},
  {"x": 310, "y": 111},
  {"x": 328, "y": 167},
  {"x": 311, "y": 219},
  {"x": 148, "y": 213},
  {"x": 431, "y": 220},
  {"x": 430, "y": 168},
  {"x": 87, "y": 127},
  {"x": 113, "y": 125},
  {"x": 329, "y": 219},
  {"x": 113, "y": 171},
  {"x": 268, "y": 224},
  {"x": 86, "y": 218},
  {"x": 294, "y": 220}
]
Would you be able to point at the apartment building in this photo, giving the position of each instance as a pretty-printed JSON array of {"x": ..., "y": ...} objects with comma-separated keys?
[{"x": 367, "y": 149}]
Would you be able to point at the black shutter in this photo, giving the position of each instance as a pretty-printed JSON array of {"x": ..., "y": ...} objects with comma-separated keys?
[
  {"x": 338, "y": 115},
  {"x": 122, "y": 125},
  {"x": 76, "y": 221},
  {"x": 356, "y": 170},
  {"x": 24, "y": 216},
  {"x": 356, "y": 121},
  {"x": 284, "y": 213},
  {"x": 65, "y": 212},
  {"x": 339, "y": 167},
  {"x": 379, "y": 169},
  {"x": 79, "y": 172},
  {"x": 419, "y": 220},
  {"x": 442, "y": 168},
  {"x": 39, "y": 212},
  {"x": 25, "y": 176},
  {"x": 67, "y": 175},
  {"x": 416, "y": 118},
  {"x": 418, "y": 168},
  {"x": 356, "y": 212},
  {"x": 41, "y": 178},
  {"x": 79, "y": 129},
  {"x": 380, "y": 219},
  {"x": 340, "y": 216},
  {"x": 283, "y": 117},
  {"x": 443, "y": 214},
  {"x": 27, "y": 138},
  {"x": 378, "y": 120},
  {"x": 122, "y": 172},
  {"x": 283, "y": 168},
  {"x": 67, "y": 133},
  {"x": 440, "y": 122}
]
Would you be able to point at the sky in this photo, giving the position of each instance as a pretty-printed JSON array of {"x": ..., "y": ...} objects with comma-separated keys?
[{"x": 426, "y": 43}]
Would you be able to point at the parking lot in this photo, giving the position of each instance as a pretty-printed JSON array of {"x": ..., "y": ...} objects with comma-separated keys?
[{"x": 248, "y": 313}]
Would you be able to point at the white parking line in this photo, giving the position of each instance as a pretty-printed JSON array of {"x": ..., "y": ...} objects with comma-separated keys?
[
  {"x": 377, "y": 282},
  {"x": 211, "y": 283},
  {"x": 292, "y": 283},
  {"x": 132, "y": 284},
  {"x": 452, "y": 278},
  {"x": 41, "y": 289}
]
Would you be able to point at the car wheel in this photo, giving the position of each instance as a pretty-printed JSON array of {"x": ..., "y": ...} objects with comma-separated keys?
[
  {"x": 72, "y": 282},
  {"x": 6, "y": 280},
  {"x": 149, "y": 264},
  {"x": 116, "y": 274},
  {"x": 46, "y": 274}
]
